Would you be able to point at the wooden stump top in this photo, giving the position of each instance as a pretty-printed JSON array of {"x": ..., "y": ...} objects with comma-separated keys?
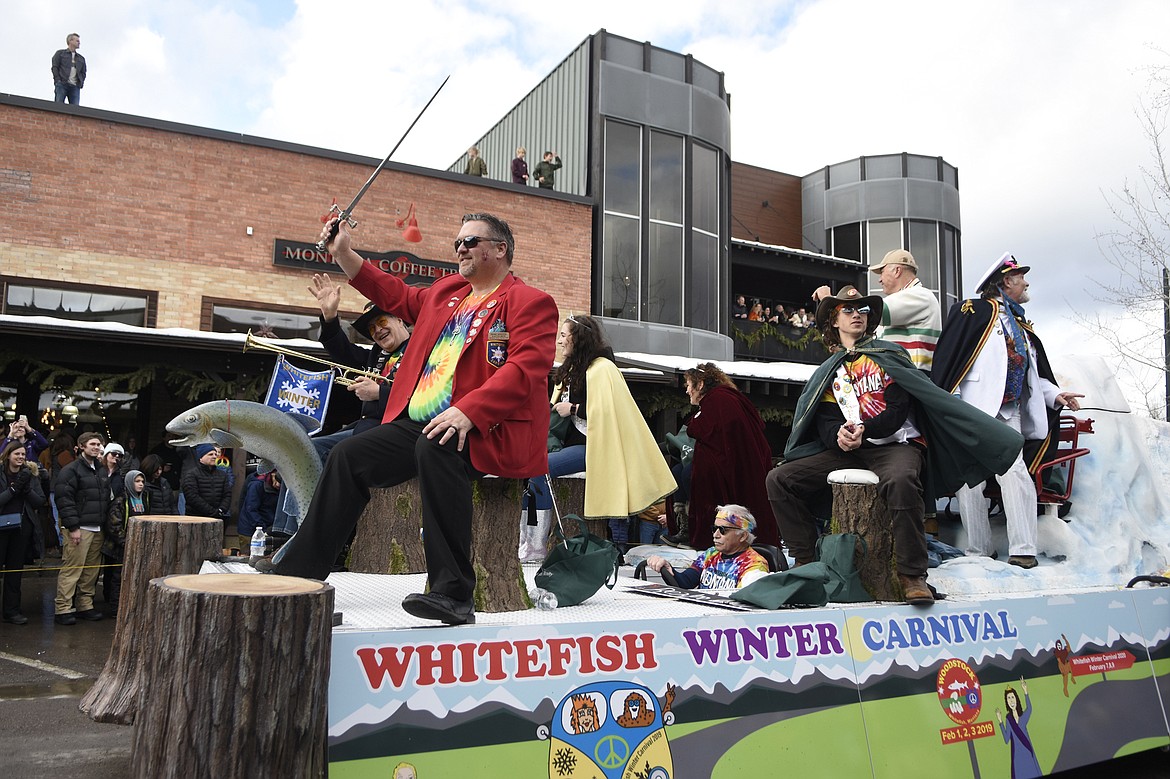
[
  {"x": 242, "y": 584},
  {"x": 175, "y": 518}
]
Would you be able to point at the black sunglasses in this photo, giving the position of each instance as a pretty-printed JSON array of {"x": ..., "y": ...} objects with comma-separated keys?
[
  {"x": 722, "y": 529},
  {"x": 848, "y": 310},
  {"x": 472, "y": 241}
]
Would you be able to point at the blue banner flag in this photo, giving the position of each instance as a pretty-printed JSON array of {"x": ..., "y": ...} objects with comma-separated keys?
[{"x": 300, "y": 392}]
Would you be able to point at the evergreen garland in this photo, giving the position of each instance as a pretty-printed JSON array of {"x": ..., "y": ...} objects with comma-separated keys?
[{"x": 182, "y": 383}]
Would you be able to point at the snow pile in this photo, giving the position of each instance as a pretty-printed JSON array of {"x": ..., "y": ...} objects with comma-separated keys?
[{"x": 1119, "y": 526}]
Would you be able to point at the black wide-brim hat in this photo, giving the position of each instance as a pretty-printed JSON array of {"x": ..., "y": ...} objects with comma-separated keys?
[
  {"x": 850, "y": 296},
  {"x": 363, "y": 322}
]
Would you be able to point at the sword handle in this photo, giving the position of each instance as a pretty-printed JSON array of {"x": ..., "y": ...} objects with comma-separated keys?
[{"x": 333, "y": 228}]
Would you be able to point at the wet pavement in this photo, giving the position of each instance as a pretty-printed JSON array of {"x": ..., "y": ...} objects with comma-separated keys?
[{"x": 46, "y": 668}]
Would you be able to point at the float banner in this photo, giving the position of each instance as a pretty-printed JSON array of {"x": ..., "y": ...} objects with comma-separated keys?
[{"x": 299, "y": 392}]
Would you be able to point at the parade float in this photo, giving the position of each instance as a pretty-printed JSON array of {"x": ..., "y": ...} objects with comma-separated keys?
[{"x": 1015, "y": 673}]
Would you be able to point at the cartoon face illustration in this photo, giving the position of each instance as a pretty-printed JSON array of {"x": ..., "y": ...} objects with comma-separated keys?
[
  {"x": 636, "y": 713},
  {"x": 584, "y": 717}
]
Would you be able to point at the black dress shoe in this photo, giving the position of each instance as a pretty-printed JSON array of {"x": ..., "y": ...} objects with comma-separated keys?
[
  {"x": 433, "y": 605},
  {"x": 65, "y": 619},
  {"x": 17, "y": 619},
  {"x": 91, "y": 615}
]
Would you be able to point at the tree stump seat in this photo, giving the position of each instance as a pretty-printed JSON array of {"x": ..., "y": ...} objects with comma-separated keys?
[
  {"x": 155, "y": 546},
  {"x": 857, "y": 508},
  {"x": 389, "y": 540},
  {"x": 238, "y": 679}
]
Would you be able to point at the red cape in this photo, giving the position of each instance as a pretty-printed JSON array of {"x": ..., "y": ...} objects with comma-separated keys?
[{"x": 732, "y": 457}]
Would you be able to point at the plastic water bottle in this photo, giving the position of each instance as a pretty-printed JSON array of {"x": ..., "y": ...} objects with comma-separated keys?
[
  {"x": 259, "y": 542},
  {"x": 542, "y": 599}
]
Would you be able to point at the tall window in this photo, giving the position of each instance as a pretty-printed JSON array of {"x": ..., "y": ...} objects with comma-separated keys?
[
  {"x": 706, "y": 294},
  {"x": 884, "y": 236},
  {"x": 664, "y": 298},
  {"x": 621, "y": 247},
  {"x": 924, "y": 247}
]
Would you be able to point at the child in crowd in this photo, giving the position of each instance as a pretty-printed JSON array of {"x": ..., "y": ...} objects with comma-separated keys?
[{"x": 133, "y": 501}]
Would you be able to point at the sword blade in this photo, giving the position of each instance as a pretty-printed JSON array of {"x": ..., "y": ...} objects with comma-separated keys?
[{"x": 361, "y": 192}]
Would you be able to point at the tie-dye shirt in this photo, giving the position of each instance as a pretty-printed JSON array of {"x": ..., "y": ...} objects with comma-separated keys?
[
  {"x": 716, "y": 572},
  {"x": 432, "y": 394}
]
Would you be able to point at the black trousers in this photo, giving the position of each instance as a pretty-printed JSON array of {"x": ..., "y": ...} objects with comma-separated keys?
[
  {"x": 12, "y": 546},
  {"x": 792, "y": 484},
  {"x": 383, "y": 457}
]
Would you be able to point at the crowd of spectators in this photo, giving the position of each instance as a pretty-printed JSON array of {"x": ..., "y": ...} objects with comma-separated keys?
[{"x": 771, "y": 312}]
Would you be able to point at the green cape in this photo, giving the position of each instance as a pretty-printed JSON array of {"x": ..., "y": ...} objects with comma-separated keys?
[{"x": 963, "y": 445}]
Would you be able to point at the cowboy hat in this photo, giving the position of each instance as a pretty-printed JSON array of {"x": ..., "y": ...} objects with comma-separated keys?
[
  {"x": 363, "y": 322},
  {"x": 850, "y": 296}
]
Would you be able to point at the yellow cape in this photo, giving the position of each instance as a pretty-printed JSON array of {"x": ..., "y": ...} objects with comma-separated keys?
[{"x": 625, "y": 470}]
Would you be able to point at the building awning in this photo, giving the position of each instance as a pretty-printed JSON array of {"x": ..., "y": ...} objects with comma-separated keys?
[{"x": 665, "y": 367}]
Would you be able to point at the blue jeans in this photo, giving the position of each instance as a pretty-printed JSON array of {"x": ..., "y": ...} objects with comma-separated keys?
[
  {"x": 571, "y": 459},
  {"x": 650, "y": 532},
  {"x": 288, "y": 513},
  {"x": 63, "y": 91}
]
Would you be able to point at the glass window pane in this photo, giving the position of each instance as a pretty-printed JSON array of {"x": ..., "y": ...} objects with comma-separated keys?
[
  {"x": 888, "y": 166},
  {"x": 666, "y": 177},
  {"x": 703, "y": 304},
  {"x": 884, "y": 236},
  {"x": 847, "y": 241},
  {"x": 705, "y": 189},
  {"x": 264, "y": 323},
  {"x": 664, "y": 287},
  {"x": 619, "y": 267},
  {"x": 623, "y": 156},
  {"x": 80, "y": 306},
  {"x": 924, "y": 247}
]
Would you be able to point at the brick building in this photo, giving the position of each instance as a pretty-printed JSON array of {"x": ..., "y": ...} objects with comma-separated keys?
[{"x": 177, "y": 239}]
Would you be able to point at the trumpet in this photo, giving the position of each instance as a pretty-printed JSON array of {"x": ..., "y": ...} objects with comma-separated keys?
[{"x": 343, "y": 374}]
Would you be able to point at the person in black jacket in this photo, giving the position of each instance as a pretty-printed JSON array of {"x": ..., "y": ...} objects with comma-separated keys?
[
  {"x": 390, "y": 337},
  {"x": 20, "y": 495},
  {"x": 205, "y": 487},
  {"x": 68, "y": 70},
  {"x": 83, "y": 497},
  {"x": 162, "y": 497}
]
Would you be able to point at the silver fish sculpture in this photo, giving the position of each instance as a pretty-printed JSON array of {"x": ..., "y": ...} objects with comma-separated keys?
[{"x": 280, "y": 439}]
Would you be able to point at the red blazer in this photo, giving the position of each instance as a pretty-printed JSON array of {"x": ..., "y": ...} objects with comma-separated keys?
[{"x": 501, "y": 378}]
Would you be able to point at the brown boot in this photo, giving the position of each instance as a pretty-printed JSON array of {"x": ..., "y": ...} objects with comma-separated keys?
[
  {"x": 930, "y": 524},
  {"x": 915, "y": 590}
]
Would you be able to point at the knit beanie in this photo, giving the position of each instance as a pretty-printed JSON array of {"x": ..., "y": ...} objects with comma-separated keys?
[{"x": 202, "y": 450}]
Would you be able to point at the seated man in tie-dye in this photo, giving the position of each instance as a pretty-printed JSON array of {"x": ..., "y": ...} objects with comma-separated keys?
[{"x": 730, "y": 563}]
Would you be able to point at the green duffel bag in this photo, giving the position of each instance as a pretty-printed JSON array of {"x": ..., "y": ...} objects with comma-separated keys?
[{"x": 578, "y": 566}]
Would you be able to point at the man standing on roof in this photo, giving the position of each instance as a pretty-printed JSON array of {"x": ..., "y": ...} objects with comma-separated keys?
[{"x": 990, "y": 357}]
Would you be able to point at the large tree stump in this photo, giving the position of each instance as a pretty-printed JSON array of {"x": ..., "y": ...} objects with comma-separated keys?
[
  {"x": 388, "y": 539},
  {"x": 499, "y": 581},
  {"x": 857, "y": 508},
  {"x": 238, "y": 678},
  {"x": 155, "y": 546}
]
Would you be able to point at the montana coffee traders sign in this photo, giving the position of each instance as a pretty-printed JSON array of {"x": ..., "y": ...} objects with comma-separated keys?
[{"x": 406, "y": 266}]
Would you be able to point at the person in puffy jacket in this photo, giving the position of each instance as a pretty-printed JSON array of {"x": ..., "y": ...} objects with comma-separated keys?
[
  {"x": 83, "y": 497},
  {"x": 205, "y": 487}
]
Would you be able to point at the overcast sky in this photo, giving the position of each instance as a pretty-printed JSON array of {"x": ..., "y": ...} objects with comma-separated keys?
[{"x": 1032, "y": 101}]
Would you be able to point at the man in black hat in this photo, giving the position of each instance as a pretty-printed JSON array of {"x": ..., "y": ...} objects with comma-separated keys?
[
  {"x": 868, "y": 407},
  {"x": 990, "y": 356},
  {"x": 390, "y": 336}
]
